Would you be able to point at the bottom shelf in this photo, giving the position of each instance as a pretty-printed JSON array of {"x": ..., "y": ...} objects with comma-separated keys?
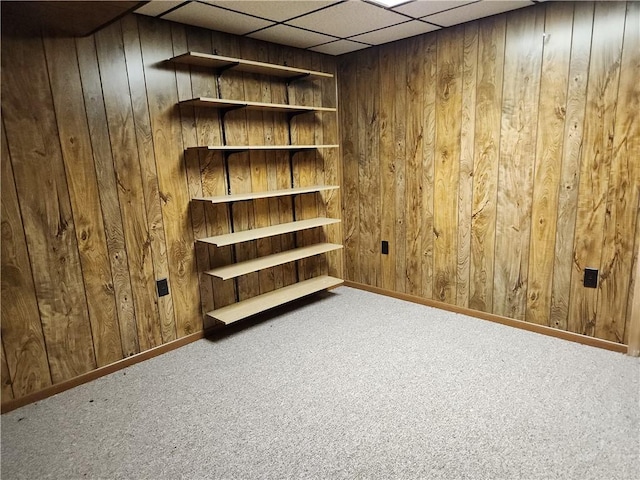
[{"x": 260, "y": 303}]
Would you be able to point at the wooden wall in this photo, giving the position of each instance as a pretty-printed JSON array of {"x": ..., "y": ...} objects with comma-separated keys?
[
  {"x": 96, "y": 189},
  {"x": 499, "y": 159}
]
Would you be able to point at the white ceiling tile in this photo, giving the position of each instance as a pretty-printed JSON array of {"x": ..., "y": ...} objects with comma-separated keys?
[
  {"x": 474, "y": 11},
  {"x": 156, "y": 8},
  {"x": 404, "y": 30},
  {"x": 208, "y": 16},
  {"x": 291, "y": 36},
  {"x": 348, "y": 18},
  {"x": 339, "y": 47},
  {"x": 277, "y": 10},
  {"x": 420, "y": 8}
]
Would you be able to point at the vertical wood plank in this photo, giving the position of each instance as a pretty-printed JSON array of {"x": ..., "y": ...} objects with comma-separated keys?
[
  {"x": 414, "y": 152},
  {"x": 108, "y": 192},
  {"x": 189, "y": 81},
  {"x": 399, "y": 164},
  {"x": 350, "y": 187},
  {"x": 149, "y": 175},
  {"x": 24, "y": 349},
  {"x": 491, "y": 47},
  {"x": 523, "y": 58},
  {"x": 570, "y": 169},
  {"x": 368, "y": 106},
  {"x": 621, "y": 214},
  {"x": 304, "y": 163},
  {"x": 45, "y": 208},
  {"x": 119, "y": 112},
  {"x": 387, "y": 166},
  {"x": 75, "y": 143},
  {"x": 333, "y": 172},
  {"x": 155, "y": 41},
  {"x": 632, "y": 332},
  {"x": 283, "y": 168},
  {"x": 548, "y": 159},
  {"x": 258, "y": 88},
  {"x": 235, "y": 126},
  {"x": 465, "y": 188},
  {"x": 7, "y": 390},
  {"x": 428, "y": 161},
  {"x": 447, "y": 162},
  {"x": 604, "y": 72}
]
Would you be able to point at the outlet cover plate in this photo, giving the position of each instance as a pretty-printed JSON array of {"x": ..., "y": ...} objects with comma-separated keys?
[{"x": 591, "y": 277}]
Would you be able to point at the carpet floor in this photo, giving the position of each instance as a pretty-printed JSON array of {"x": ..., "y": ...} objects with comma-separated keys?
[{"x": 350, "y": 385}]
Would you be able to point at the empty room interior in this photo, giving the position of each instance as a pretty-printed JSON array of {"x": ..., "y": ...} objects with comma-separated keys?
[{"x": 320, "y": 239}]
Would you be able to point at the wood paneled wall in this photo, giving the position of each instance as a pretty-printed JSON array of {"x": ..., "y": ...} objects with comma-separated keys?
[
  {"x": 499, "y": 159},
  {"x": 96, "y": 189}
]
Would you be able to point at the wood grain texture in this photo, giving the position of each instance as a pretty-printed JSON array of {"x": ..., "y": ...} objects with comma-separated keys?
[
  {"x": 350, "y": 185},
  {"x": 414, "y": 154},
  {"x": 156, "y": 46},
  {"x": 491, "y": 46},
  {"x": 447, "y": 163},
  {"x": 387, "y": 166},
  {"x": 282, "y": 179},
  {"x": 7, "y": 390},
  {"x": 113, "y": 214},
  {"x": 45, "y": 207},
  {"x": 399, "y": 100},
  {"x": 119, "y": 113},
  {"x": 526, "y": 134},
  {"x": 24, "y": 352},
  {"x": 304, "y": 163},
  {"x": 465, "y": 184},
  {"x": 428, "y": 161},
  {"x": 259, "y": 125},
  {"x": 66, "y": 88},
  {"x": 521, "y": 89},
  {"x": 570, "y": 172},
  {"x": 108, "y": 192},
  {"x": 235, "y": 127},
  {"x": 548, "y": 160},
  {"x": 632, "y": 332},
  {"x": 333, "y": 173},
  {"x": 149, "y": 176},
  {"x": 596, "y": 156},
  {"x": 621, "y": 214},
  {"x": 368, "y": 106}
]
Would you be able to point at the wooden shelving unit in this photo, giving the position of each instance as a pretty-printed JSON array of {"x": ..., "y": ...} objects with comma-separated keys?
[
  {"x": 266, "y": 301},
  {"x": 264, "y": 232},
  {"x": 241, "y": 309},
  {"x": 244, "y": 148},
  {"x": 221, "y": 63},
  {"x": 236, "y": 104},
  {"x": 260, "y": 263},
  {"x": 239, "y": 197}
]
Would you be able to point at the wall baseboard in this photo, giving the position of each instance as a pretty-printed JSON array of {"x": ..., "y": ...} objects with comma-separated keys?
[
  {"x": 544, "y": 330},
  {"x": 102, "y": 371}
]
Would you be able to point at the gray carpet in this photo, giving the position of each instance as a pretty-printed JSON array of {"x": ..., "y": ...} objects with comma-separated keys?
[{"x": 352, "y": 385}]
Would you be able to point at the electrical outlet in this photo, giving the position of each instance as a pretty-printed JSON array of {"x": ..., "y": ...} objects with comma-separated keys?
[
  {"x": 385, "y": 247},
  {"x": 163, "y": 287},
  {"x": 591, "y": 277}
]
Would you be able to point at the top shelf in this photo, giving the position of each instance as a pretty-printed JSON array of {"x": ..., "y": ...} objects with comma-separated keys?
[{"x": 223, "y": 63}]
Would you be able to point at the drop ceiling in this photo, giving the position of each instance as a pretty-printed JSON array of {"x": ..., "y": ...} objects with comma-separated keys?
[{"x": 334, "y": 27}]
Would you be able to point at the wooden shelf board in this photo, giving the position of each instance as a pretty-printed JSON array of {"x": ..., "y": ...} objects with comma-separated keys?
[
  {"x": 266, "y": 301},
  {"x": 273, "y": 193},
  {"x": 250, "y": 66},
  {"x": 253, "y": 265},
  {"x": 242, "y": 148},
  {"x": 263, "y": 232},
  {"x": 271, "y": 107}
]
